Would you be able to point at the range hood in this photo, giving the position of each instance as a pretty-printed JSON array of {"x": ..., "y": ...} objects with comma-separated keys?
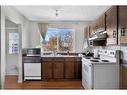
[{"x": 99, "y": 36}]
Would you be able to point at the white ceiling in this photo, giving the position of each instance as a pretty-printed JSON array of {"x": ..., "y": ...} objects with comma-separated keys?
[{"x": 65, "y": 13}]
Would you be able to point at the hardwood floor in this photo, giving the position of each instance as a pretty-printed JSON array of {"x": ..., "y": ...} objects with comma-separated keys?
[{"x": 11, "y": 83}]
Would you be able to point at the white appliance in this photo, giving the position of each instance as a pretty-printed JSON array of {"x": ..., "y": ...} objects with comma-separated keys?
[
  {"x": 101, "y": 73},
  {"x": 99, "y": 35},
  {"x": 32, "y": 68},
  {"x": 96, "y": 51}
]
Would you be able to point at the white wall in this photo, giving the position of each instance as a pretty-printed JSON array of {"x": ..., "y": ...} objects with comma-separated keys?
[
  {"x": 11, "y": 14},
  {"x": 3, "y": 57},
  {"x": 16, "y": 17},
  {"x": 79, "y": 37},
  {"x": 34, "y": 34}
]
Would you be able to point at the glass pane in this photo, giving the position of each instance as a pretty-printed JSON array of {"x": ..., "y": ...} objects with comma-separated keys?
[
  {"x": 65, "y": 40},
  {"x": 60, "y": 39},
  {"x": 13, "y": 43},
  {"x": 51, "y": 40}
]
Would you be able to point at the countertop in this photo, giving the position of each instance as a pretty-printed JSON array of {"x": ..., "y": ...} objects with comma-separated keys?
[
  {"x": 59, "y": 56},
  {"x": 55, "y": 56}
]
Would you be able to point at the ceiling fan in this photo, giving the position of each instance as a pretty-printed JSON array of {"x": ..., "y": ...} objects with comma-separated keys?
[{"x": 57, "y": 12}]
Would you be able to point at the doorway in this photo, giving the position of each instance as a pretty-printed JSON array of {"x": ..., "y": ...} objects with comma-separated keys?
[{"x": 12, "y": 47}]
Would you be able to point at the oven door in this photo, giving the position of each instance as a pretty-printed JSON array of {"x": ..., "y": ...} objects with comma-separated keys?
[{"x": 86, "y": 74}]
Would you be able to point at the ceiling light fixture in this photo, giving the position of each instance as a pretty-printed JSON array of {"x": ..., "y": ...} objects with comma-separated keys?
[{"x": 56, "y": 13}]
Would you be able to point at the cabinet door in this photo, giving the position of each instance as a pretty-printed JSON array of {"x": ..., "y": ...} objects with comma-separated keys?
[
  {"x": 58, "y": 69},
  {"x": 111, "y": 25},
  {"x": 100, "y": 23},
  {"x": 78, "y": 68},
  {"x": 47, "y": 70},
  {"x": 69, "y": 68},
  {"x": 92, "y": 28},
  {"x": 122, "y": 16},
  {"x": 123, "y": 76},
  {"x": 90, "y": 31}
]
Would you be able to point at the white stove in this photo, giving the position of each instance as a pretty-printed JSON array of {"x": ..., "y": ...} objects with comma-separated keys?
[{"x": 102, "y": 72}]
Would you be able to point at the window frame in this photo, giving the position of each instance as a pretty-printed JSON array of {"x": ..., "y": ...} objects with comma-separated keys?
[{"x": 73, "y": 42}]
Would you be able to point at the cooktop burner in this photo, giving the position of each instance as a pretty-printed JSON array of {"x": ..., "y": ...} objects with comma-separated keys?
[
  {"x": 87, "y": 57},
  {"x": 94, "y": 60},
  {"x": 105, "y": 60}
]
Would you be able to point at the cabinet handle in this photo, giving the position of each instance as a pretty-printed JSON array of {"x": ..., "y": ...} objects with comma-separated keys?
[
  {"x": 114, "y": 34},
  {"x": 122, "y": 31}
]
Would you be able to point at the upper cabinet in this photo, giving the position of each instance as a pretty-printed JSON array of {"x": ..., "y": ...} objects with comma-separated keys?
[
  {"x": 114, "y": 21},
  {"x": 111, "y": 26},
  {"x": 122, "y": 25},
  {"x": 99, "y": 24},
  {"x": 116, "y": 25},
  {"x": 93, "y": 28}
]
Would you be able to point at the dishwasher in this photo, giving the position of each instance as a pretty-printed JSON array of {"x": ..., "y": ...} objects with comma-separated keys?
[{"x": 32, "y": 68}]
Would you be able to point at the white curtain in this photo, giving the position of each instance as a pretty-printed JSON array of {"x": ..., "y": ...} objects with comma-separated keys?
[{"x": 43, "y": 28}]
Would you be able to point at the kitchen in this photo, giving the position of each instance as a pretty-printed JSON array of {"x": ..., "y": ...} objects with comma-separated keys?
[{"x": 64, "y": 48}]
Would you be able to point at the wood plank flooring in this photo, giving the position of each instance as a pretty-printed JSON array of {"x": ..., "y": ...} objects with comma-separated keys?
[{"x": 11, "y": 83}]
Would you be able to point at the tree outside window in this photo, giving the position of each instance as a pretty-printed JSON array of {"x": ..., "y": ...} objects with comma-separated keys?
[{"x": 60, "y": 39}]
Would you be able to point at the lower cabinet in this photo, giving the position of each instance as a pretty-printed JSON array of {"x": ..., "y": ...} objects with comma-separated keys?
[
  {"x": 47, "y": 70},
  {"x": 58, "y": 69},
  {"x": 123, "y": 76},
  {"x": 78, "y": 68},
  {"x": 61, "y": 68},
  {"x": 69, "y": 69}
]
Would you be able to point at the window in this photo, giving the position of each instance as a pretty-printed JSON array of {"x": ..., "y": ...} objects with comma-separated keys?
[
  {"x": 13, "y": 43},
  {"x": 60, "y": 39}
]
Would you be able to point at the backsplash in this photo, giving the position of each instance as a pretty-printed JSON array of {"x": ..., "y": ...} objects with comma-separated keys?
[{"x": 123, "y": 50}]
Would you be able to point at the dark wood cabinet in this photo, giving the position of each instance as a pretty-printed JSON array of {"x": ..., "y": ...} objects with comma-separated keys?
[
  {"x": 111, "y": 26},
  {"x": 122, "y": 25},
  {"x": 116, "y": 25},
  {"x": 114, "y": 21},
  {"x": 92, "y": 28},
  {"x": 61, "y": 68},
  {"x": 78, "y": 68},
  {"x": 98, "y": 25},
  {"x": 90, "y": 32},
  {"x": 58, "y": 68},
  {"x": 69, "y": 68},
  {"x": 123, "y": 76},
  {"x": 47, "y": 69}
]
